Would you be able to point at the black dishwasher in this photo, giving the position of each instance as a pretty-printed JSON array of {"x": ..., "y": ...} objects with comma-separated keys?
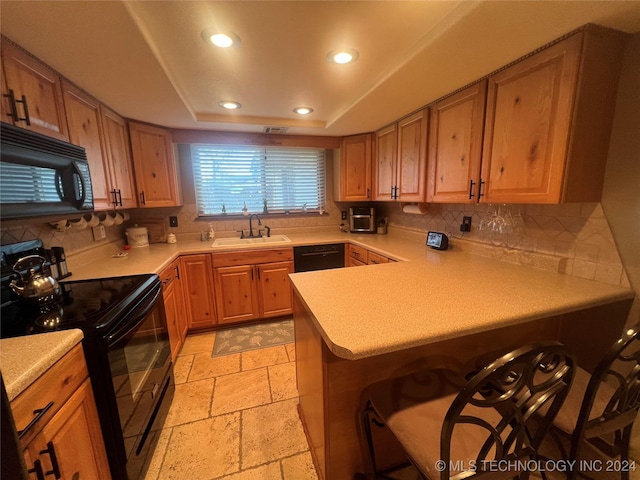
[{"x": 318, "y": 257}]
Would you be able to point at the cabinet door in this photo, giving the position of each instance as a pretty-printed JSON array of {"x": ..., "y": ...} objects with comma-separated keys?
[
  {"x": 197, "y": 287},
  {"x": 355, "y": 168},
  {"x": 274, "y": 289},
  {"x": 529, "y": 111},
  {"x": 83, "y": 117},
  {"x": 173, "y": 309},
  {"x": 411, "y": 174},
  {"x": 41, "y": 87},
  {"x": 116, "y": 141},
  {"x": 236, "y": 294},
  {"x": 155, "y": 166},
  {"x": 455, "y": 146},
  {"x": 75, "y": 435},
  {"x": 384, "y": 164}
]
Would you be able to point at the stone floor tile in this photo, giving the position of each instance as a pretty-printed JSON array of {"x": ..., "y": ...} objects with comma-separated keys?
[
  {"x": 241, "y": 390},
  {"x": 203, "y": 450},
  {"x": 157, "y": 456},
  {"x": 191, "y": 402},
  {"x": 282, "y": 379},
  {"x": 198, "y": 343},
  {"x": 291, "y": 351},
  {"x": 206, "y": 367},
  {"x": 271, "y": 471},
  {"x": 271, "y": 432},
  {"x": 181, "y": 368},
  {"x": 263, "y": 357},
  {"x": 299, "y": 467}
]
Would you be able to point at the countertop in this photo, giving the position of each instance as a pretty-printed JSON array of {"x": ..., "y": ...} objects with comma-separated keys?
[
  {"x": 24, "y": 359},
  {"x": 425, "y": 297}
]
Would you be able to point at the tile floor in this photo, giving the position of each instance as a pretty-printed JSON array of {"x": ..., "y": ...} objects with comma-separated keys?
[{"x": 232, "y": 418}]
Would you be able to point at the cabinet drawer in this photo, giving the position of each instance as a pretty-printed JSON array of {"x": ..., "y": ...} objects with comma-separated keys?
[
  {"x": 55, "y": 386},
  {"x": 252, "y": 257},
  {"x": 358, "y": 253},
  {"x": 375, "y": 258}
]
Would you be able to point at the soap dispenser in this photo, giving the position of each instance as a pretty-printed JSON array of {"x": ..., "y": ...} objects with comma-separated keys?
[{"x": 212, "y": 234}]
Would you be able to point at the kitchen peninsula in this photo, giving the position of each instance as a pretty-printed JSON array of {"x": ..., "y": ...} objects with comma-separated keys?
[{"x": 356, "y": 326}]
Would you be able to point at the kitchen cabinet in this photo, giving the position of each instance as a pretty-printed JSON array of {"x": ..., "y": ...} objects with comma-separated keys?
[
  {"x": 401, "y": 160},
  {"x": 354, "y": 180},
  {"x": 58, "y": 416},
  {"x": 549, "y": 119},
  {"x": 32, "y": 93},
  {"x": 156, "y": 172},
  {"x": 177, "y": 323},
  {"x": 197, "y": 287},
  {"x": 121, "y": 184},
  {"x": 356, "y": 256},
  {"x": 455, "y": 145},
  {"x": 253, "y": 284},
  {"x": 83, "y": 120},
  {"x": 374, "y": 258}
]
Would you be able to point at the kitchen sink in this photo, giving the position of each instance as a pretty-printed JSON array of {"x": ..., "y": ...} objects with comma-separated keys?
[{"x": 229, "y": 242}]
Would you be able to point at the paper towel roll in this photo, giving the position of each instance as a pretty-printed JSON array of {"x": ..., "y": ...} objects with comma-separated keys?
[{"x": 413, "y": 209}]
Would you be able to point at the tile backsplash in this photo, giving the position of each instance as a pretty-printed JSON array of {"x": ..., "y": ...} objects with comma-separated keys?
[{"x": 574, "y": 239}]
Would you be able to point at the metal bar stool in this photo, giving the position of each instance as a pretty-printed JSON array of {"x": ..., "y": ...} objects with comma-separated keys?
[
  {"x": 453, "y": 428},
  {"x": 601, "y": 408}
]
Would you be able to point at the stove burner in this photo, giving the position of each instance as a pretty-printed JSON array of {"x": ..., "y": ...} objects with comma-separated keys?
[{"x": 50, "y": 317}]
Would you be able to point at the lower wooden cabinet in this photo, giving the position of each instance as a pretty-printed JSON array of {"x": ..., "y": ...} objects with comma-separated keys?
[
  {"x": 253, "y": 285},
  {"x": 177, "y": 320},
  {"x": 65, "y": 438},
  {"x": 358, "y": 256},
  {"x": 197, "y": 290}
]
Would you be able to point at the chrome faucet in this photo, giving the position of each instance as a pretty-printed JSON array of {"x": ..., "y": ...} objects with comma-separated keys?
[{"x": 251, "y": 225}]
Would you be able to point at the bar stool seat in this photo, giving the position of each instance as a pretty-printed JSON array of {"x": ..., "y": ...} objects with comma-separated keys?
[{"x": 449, "y": 427}]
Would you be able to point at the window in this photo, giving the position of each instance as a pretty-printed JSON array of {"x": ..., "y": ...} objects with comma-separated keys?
[{"x": 227, "y": 177}]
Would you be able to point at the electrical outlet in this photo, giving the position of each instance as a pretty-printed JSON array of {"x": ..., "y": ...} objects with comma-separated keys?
[
  {"x": 344, "y": 215},
  {"x": 99, "y": 233},
  {"x": 173, "y": 221},
  {"x": 465, "y": 226}
]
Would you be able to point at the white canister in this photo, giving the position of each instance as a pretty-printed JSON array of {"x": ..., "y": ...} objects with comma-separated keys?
[{"x": 138, "y": 236}]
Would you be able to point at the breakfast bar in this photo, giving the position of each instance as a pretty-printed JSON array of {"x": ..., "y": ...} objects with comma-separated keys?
[{"x": 356, "y": 326}]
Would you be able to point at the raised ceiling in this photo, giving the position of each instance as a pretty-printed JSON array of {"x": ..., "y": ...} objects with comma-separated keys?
[{"x": 147, "y": 60}]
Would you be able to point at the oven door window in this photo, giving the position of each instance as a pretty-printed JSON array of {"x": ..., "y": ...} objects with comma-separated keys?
[{"x": 139, "y": 362}]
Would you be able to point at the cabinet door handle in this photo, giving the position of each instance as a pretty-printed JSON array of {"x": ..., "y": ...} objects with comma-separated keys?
[
  {"x": 13, "y": 114},
  {"x": 480, "y": 194},
  {"x": 55, "y": 468},
  {"x": 119, "y": 198},
  {"x": 471, "y": 183},
  {"x": 39, "y": 413},
  {"x": 37, "y": 469},
  {"x": 178, "y": 272},
  {"x": 252, "y": 274},
  {"x": 142, "y": 197},
  {"x": 368, "y": 193},
  {"x": 25, "y": 108},
  {"x": 258, "y": 273}
]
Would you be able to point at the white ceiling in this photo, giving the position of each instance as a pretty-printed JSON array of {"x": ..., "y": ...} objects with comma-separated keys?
[{"x": 146, "y": 59}]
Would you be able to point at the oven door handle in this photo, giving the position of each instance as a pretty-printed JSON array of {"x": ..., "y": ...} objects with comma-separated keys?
[{"x": 141, "y": 311}]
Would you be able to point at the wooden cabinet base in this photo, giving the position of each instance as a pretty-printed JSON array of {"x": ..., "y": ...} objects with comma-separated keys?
[{"x": 330, "y": 387}]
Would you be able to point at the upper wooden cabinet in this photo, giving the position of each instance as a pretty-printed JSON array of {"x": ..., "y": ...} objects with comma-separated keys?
[
  {"x": 83, "y": 119},
  {"x": 549, "y": 119},
  {"x": 156, "y": 172},
  {"x": 354, "y": 181},
  {"x": 455, "y": 145},
  {"x": 121, "y": 183},
  {"x": 32, "y": 93},
  {"x": 400, "y": 166}
]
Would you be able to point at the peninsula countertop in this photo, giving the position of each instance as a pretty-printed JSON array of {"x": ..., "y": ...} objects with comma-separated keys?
[{"x": 425, "y": 297}]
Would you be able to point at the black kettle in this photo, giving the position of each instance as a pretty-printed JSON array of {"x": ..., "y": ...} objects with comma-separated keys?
[{"x": 33, "y": 285}]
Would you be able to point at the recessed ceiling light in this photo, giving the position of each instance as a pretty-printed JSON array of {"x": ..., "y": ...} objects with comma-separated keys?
[
  {"x": 347, "y": 55},
  {"x": 220, "y": 39},
  {"x": 303, "y": 110},
  {"x": 229, "y": 105}
]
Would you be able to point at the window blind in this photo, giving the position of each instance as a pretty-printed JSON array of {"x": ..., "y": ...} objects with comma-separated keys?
[{"x": 288, "y": 178}]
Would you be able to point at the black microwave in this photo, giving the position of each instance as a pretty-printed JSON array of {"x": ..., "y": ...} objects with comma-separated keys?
[{"x": 40, "y": 175}]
